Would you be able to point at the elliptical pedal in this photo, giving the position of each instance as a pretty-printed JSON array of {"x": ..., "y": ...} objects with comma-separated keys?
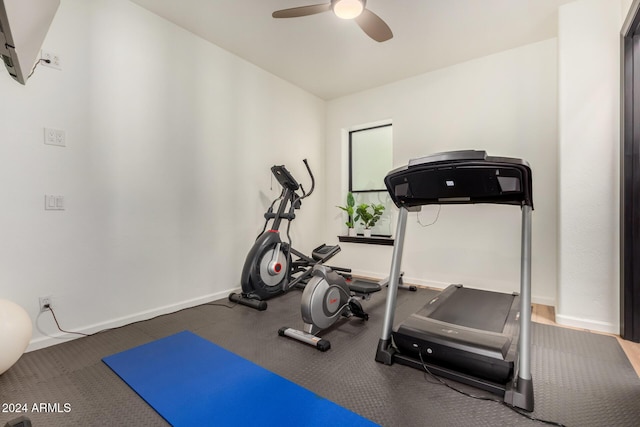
[
  {"x": 356, "y": 310},
  {"x": 324, "y": 252}
]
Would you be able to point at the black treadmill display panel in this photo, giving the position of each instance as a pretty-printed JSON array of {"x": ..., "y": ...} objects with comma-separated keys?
[{"x": 433, "y": 180}]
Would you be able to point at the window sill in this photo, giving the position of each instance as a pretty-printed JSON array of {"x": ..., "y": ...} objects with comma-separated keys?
[{"x": 373, "y": 240}]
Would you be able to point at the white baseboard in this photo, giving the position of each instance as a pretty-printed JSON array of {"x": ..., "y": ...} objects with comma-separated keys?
[
  {"x": 58, "y": 338},
  {"x": 551, "y": 302},
  {"x": 589, "y": 324}
]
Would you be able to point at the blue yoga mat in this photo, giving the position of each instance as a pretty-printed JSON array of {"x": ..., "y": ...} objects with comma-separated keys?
[{"x": 190, "y": 381}]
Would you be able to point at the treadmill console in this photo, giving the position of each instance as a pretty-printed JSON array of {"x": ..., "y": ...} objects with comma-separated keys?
[{"x": 461, "y": 177}]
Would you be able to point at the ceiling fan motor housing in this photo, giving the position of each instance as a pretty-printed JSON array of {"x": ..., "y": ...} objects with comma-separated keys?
[{"x": 348, "y": 9}]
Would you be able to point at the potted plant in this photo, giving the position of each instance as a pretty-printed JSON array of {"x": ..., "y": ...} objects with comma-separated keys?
[
  {"x": 349, "y": 209},
  {"x": 367, "y": 217}
]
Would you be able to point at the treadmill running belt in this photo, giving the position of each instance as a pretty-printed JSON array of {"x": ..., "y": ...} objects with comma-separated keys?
[{"x": 474, "y": 308}]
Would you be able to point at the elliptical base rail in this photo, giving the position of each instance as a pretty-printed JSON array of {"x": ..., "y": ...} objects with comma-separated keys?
[{"x": 259, "y": 305}]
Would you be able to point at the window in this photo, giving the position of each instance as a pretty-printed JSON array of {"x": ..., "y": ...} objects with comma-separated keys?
[{"x": 370, "y": 158}]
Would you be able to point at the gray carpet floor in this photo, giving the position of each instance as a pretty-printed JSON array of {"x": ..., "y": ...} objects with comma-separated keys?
[{"x": 580, "y": 379}]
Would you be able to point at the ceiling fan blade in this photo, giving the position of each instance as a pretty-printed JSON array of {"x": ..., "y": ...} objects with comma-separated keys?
[
  {"x": 375, "y": 27},
  {"x": 295, "y": 12}
]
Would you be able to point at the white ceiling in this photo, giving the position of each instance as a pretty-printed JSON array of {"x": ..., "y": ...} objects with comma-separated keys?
[{"x": 330, "y": 57}]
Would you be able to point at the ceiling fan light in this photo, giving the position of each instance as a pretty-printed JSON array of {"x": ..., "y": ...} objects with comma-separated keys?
[{"x": 348, "y": 9}]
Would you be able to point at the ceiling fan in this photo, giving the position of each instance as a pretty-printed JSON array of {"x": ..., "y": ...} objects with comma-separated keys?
[{"x": 370, "y": 23}]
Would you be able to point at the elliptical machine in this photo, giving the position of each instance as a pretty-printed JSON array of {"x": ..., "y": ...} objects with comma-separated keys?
[
  {"x": 268, "y": 269},
  {"x": 327, "y": 298}
]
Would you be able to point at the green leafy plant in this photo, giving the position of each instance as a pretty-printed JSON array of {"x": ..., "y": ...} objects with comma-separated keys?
[
  {"x": 349, "y": 209},
  {"x": 369, "y": 214}
]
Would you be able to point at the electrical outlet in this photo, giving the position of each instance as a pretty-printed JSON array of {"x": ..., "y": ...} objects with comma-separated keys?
[
  {"x": 53, "y": 203},
  {"x": 45, "y": 303},
  {"x": 55, "y": 137},
  {"x": 50, "y": 59}
]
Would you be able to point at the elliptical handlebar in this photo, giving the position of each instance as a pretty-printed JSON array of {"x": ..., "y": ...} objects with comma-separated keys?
[
  {"x": 289, "y": 194},
  {"x": 295, "y": 204},
  {"x": 313, "y": 181}
]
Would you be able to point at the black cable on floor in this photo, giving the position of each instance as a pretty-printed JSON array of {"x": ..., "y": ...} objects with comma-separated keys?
[
  {"x": 491, "y": 399},
  {"x": 221, "y": 305},
  {"x": 128, "y": 324}
]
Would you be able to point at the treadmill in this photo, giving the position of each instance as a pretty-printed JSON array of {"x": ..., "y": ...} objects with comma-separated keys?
[{"x": 476, "y": 337}]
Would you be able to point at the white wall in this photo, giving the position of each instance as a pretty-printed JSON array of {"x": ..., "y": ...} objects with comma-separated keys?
[
  {"x": 626, "y": 6},
  {"x": 589, "y": 128},
  {"x": 505, "y": 104},
  {"x": 165, "y": 174},
  {"x": 170, "y": 140},
  {"x": 513, "y": 104}
]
